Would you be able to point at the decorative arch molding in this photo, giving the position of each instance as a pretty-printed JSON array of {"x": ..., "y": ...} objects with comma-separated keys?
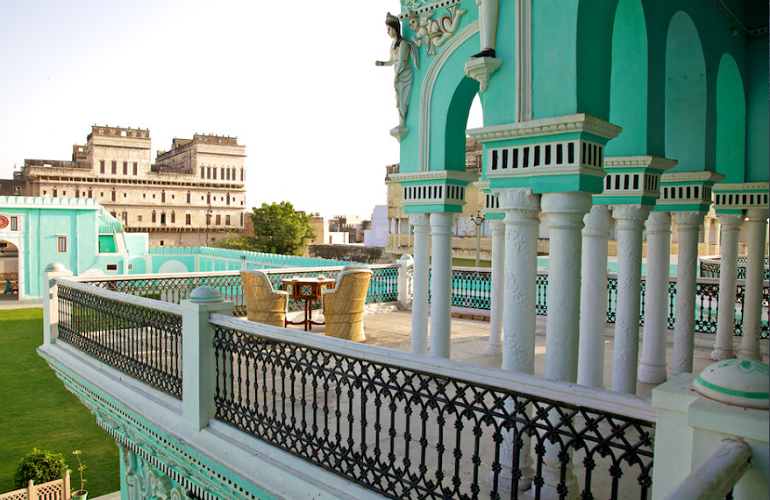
[{"x": 428, "y": 85}]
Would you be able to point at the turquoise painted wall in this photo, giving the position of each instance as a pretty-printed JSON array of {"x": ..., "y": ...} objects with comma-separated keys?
[
  {"x": 758, "y": 116},
  {"x": 731, "y": 122}
]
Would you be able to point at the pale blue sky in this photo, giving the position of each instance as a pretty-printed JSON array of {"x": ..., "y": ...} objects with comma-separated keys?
[{"x": 294, "y": 80}]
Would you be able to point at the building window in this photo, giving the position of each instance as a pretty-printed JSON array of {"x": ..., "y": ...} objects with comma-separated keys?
[
  {"x": 114, "y": 196},
  {"x": 136, "y": 169},
  {"x": 208, "y": 172},
  {"x": 188, "y": 197},
  {"x": 90, "y": 193},
  {"x": 55, "y": 193},
  {"x": 114, "y": 167},
  {"x": 163, "y": 218},
  {"x": 219, "y": 220},
  {"x": 188, "y": 219},
  {"x": 228, "y": 174},
  {"x": 112, "y": 267},
  {"x": 208, "y": 198},
  {"x": 125, "y": 195},
  {"x": 214, "y": 173},
  {"x": 163, "y": 196},
  {"x": 14, "y": 223},
  {"x": 222, "y": 173},
  {"x": 62, "y": 244},
  {"x": 101, "y": 166},
  {"x": 114, "y": 214},
  {"x": 144, "y": 195},
  {"x": 77, "y": 193},
  {"x": 139, "y": 218},
  {"x": 125, "y": 168},
  {"x": 241, "y": 219},
  {"x": 228, "y": 198},
  {"x": 173, "y": 217},
  {"x": 227, "y": 220},
  {"x": 153, "y": 216},
  {"x": 241, "y": 175},
  {"x": 203, "y": 173}
]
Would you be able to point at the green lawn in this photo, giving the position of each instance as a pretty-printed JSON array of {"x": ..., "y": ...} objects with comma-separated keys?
[{"x": 36, "y": 411}]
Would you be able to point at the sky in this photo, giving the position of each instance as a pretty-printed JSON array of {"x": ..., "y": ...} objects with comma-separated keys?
[{"x": 295, "y": 81}]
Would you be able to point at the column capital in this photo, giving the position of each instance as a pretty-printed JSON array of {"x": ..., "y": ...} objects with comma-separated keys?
[
  {"x": 497, "y": 226},
  {"x": 659, "y": 223},
  {"x": 757, "y": 214},
  {"x": 730, "y": 222},
  {"x": 517, "y": 199},
  {"x": 689, "y": 219},
  {"x": 631, "y": 216},
  {"x": 566, "y": 210},
  {"x": 419, "y": 220},
  {"x": 441, "y": 223},
  {"x": 597, "y": 222}
]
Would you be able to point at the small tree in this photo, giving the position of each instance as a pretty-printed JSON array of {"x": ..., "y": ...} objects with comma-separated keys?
[
  {"x": 40, "y": 466},
  {"x": 279, "y": 229}
]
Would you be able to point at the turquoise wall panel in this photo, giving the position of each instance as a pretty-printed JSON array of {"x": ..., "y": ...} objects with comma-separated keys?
[
  {"x": 758, "y": 116},
  {"x": 731, "y": 122}
]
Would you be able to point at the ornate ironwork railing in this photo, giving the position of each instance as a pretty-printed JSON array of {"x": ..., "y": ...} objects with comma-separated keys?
[
  {"x": 130, "y": 334},
  {"x": 409, "y": 430},
  {"x": 710, "y": 267},
  {"x": 176, "y": 288},
  {"x": 471, "y": 289}
]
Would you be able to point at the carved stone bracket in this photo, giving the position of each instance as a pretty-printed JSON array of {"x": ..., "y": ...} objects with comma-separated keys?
[
  {"x": 481, "y": 69},
  {"x": 399, "y": 133}
]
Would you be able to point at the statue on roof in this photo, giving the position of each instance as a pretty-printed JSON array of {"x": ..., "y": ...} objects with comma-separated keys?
[{"x": 403, "y": 54}]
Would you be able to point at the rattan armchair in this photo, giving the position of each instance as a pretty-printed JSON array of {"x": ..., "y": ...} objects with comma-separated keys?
[
  {"x": 263, "y": 304},
  {"x": 344, "y": 305}
]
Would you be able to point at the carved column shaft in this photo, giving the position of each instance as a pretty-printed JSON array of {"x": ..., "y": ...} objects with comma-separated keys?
[
  {"x": 420, "y": 285},
  {"x": 728, "y": 270},
  {"x": 494, "y": 348},
  {"x": 441, "y": 284},
  {"x": 593, "y": 297},
  {"x": 652, "y": 368},
  {"x": 519, "y": 319},
  {"x": 752, "y": 308},
  {"x": 688, "y": 225},
  {"x": 565, "y": 221},
  {"x": 625, "y": 357}
]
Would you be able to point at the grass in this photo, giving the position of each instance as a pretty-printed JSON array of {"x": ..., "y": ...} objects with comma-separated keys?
[{"x": 38, "y": 412}]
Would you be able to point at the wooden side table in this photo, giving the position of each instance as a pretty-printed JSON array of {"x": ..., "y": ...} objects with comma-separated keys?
[{"x": 307, "y": 289}]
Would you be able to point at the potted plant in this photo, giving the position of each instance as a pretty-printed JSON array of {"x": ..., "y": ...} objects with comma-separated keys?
[
  {"x": 40, "y": 466},
  {"x": 80, "y": 494}
]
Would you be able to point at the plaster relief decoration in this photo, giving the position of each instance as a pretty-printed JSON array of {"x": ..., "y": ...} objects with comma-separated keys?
[
  {"x": 403, "y": 54},
  {"x": 432, "y": 33},
  {"x": 145, "y": 483}
]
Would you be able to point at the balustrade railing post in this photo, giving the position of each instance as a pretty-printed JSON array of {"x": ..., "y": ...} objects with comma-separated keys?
[
  {"x": 198, "y": 362},
  {"x": 51, "y": 301},
  {"x": 405, "y": 281}
]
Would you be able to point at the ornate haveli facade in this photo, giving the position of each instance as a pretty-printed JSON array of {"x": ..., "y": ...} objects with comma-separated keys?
[{"x": 190, "y": 196}]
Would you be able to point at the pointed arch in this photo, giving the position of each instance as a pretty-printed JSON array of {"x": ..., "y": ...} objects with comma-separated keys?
[
  {"x": 628, "y": 82},
  {"x": 685, "y": 95},
  {"x": 731, "y": 122}
]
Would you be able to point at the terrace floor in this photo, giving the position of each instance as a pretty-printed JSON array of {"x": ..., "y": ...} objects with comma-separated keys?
[{"x": 389, "y": 327}]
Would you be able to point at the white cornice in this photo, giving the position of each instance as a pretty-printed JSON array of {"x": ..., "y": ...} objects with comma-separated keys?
[
  {"x": 742, "y": 187},
  {"x": 699, "y": 176},
  {"x": 651, "y": 162},
  {"x": 436, "y": 175},
  {"x": 580, "y": 122}
]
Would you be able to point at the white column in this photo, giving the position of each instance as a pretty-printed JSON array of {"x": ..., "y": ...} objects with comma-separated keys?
[
  {"x": 625, "y": 355},
  {"x": 519, "y": 319},
  {"x": 494, "y": 348},
  {"x": 420, "y": 286},
  {"x": 688, "y": 225},
  {"x": 752, "y": 306},
  {"x": 441, "y": 284},
  {"x": 593, "y": 296},
  {"x": 652, "y": 367},
  {"x": 728, "y": 268},
  {"x": 521, "y": 208},
  {"x": 565, "y": 213}
]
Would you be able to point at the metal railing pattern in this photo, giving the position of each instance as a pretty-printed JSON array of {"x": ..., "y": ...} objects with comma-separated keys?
[
  {"x": 407, "y": 433},
  {"x": 176, "y": 288},
  {"x": 141, "y": 341}
]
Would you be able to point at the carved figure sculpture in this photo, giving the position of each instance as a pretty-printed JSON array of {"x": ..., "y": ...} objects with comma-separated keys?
[
  {"x": 402, "y": 54},
  {"x": 488, "y": 10},
  {"x": 433, "y": 33}
]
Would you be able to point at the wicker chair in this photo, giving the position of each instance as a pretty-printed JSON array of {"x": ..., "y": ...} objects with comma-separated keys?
[
  {"x": 344, "y": 305},
  {"x": 263, "y": 304}
]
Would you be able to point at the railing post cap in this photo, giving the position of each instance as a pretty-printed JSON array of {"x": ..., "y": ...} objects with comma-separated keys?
[
  {"x": 206, "y": 295},
  {"x": 55, "y": 266},
  {"x": 737, "y": 381},
  {"x": 405, "y": 257}
]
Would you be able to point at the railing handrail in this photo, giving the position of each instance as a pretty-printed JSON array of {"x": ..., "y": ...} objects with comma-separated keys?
[
  {"x": 157, "y": 305},
  {"x": 717, "y": 475},
  {"x": 564, "y": 392}
]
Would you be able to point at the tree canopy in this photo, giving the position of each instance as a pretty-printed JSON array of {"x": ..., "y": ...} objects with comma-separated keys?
[{"x": 280, "y": 229}]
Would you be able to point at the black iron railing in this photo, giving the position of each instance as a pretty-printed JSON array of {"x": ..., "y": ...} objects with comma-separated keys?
[
  {"x": 141, "y": 341},
  {"x": 407, "y": 433}
]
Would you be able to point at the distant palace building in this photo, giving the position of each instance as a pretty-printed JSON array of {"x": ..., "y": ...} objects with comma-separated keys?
[{"x": 192, "y": 194}]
